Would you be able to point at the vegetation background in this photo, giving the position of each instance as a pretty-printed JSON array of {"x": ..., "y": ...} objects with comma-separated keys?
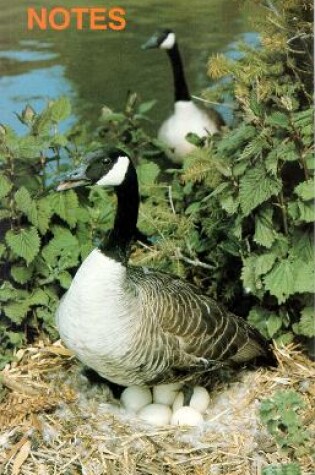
[{"x": 237, "y": 218}]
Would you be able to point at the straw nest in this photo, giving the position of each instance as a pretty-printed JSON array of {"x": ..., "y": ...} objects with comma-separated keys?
[{"x": 54, "y": 421}]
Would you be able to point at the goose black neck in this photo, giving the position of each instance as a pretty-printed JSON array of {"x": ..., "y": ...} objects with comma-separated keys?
[
  {"x": 125, "y": 224},
  {"x": 180, "y": 85}
]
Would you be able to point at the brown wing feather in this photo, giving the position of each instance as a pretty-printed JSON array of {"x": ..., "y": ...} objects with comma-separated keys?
[{"x": 193, "y": 327}]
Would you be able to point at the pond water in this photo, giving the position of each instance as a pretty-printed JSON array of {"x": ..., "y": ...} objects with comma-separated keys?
[{"x": 95, "y": 68}]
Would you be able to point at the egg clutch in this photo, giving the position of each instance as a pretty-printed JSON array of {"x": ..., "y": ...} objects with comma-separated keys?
[{"x": 164, "y": 405}]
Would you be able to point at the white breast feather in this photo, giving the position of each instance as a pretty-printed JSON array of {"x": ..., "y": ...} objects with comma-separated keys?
[
  {"x": 94, "y": 316},
  {"x": 187, "y": 118}
]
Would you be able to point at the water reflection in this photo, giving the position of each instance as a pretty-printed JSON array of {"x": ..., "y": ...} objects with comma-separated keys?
[
  {"x": 97, "y": 68},
  {"x": 27, "y": 55},
  {"x": 34, "y": 87}
]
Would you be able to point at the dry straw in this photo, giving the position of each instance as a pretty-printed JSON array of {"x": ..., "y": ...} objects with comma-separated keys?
[{"x": 54, "y": 422}]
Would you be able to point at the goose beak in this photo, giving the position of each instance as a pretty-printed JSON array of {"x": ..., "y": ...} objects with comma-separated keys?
[
  {"x": 152, "y": 42},
  {"x": 74, "y": 179}
]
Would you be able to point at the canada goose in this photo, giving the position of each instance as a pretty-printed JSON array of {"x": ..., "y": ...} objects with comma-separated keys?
[
  {"x": 187, "y": 116},
  {"x": 135, "y": 325}
]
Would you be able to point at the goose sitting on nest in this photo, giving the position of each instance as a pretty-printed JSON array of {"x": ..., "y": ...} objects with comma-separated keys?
[
  {"x": 187, "y": 116},
  {"x": 137, "y": 326}
]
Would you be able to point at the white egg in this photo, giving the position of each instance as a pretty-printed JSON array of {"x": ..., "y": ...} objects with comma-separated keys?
[
  {"x": 200, "y": 399},
  {"x": 134, "y": 398},
  {"x": 165, "y": 393},
  {"x": 156, "y": 414},
  {"x": 178, "y": 401},
  {"x": 186, "y": 416}
]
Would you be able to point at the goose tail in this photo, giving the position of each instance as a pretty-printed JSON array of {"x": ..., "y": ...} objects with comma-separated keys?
[{"x": 258, "y": 349}]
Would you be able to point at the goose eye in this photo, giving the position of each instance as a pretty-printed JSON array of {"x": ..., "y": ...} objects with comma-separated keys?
[{"x": 106, "y": 161}]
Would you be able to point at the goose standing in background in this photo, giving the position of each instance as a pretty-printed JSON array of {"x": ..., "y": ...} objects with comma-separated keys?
[
  {"x": 137, "y": 326},
  {"x": 187, "y": 116}
]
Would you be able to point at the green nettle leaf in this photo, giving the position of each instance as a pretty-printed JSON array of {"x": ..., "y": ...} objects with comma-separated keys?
[
  {"x": 65, "y": 205},
  {"x": 193, "y": 208},
  {"x": 145, "y": 107},
  {"x": 254, "y": 147},
  {"x": 287, "y": 151},
  {"x": 274, "y": 323},
  {"x": 280, "y": 280},
  {"x": 302, "y": 211},
  {"x": 303, "y": 119},
  {"x": 27, "y": 147},
  {"x": 264, "y": 263},
  {"x": 281, "y": 246},
  {"x": 40, "y": 215},
  {"x": 44, "y": 314},
  {"x": 60, "y": 109},
  {"x": 23, "y": 199},
  {"x": 264, "y": 230},
  {"x": 306, "y": 190},
  {"x": 278, "y": 119},
  {"x": 16, "y": 311},
  {"x": 282, "y": 469},
  {"x": 83, "y": 215},
  {"x": 194, "y": 139},
  {"x": 16, "y": 339},
  {"x": 115, "y": 117},
  {"x": 38, "y": 212},
  {"x": 303, "y": 246},
  {"x": 256, "y": 187},
  {"x": 258, "y": 318},
  {"x": 310, "y": 162},
  {"x": 43, "y": 123},
  {"x": 5, "y": 186},
  {"x": 304, "y": 274},
  {"x": 271, "y": 162},
  {"x": 24, "y": 243},
  {"x": 21, "y": 275},
  {"x": 39, "y": 297},
  {"x": 284, "y": 339},
  {"x": 65, "y": 279},
  {"x": 249, "y": 274},
  {"x": 306, "y": 325},
  {"x": 62, "y": 244},
  {"x": 236, "y": 138},
  {"x": 293, "y": 210},
  {"x": 7, "y": 292},
  {"x": 306, "y": 211},
  {"x": 229, "y": 204},
  {"x": 239, "y": 169},
  {"x": 148, "y": 173},
  {"x": 256, "y": 106},
  {"x": 280, "y": 413}
]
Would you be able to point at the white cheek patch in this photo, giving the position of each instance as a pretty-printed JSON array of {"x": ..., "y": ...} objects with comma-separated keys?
[
  {"x": 169, "y": 41},
  {"x": 117, "y": 174}
]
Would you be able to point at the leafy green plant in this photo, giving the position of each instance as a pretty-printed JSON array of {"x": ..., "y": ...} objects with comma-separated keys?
[
  {"x": 283, "y": 469},
  {"x": 258, "y": 179},
  {"x": 44, "y": 234},
  {"x": 126, "y": 129},
  {"x": 37, "y": 247},
  {"x": 281, "y": 416}
]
